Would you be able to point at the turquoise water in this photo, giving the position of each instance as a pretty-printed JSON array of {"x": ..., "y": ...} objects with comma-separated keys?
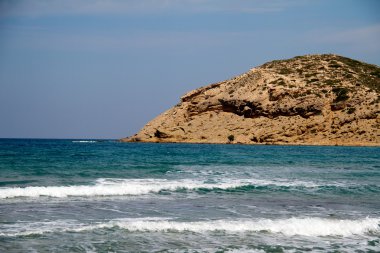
[{"x": 105, "y": 196}]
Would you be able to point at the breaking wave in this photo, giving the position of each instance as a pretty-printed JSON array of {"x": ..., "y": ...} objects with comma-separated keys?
[
  {"x": 289, "y": 227},
  {"x": 119, "y": 187},
  {"x": 105, "y": 187},
  {"x": 84, "y": 141}
]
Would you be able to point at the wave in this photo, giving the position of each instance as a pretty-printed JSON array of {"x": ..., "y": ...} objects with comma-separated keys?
[
  {"x": 84, "y": 141},
  {"x": 289, "y": 227},
  {"x": 312, "y": 226},
  {"x": 107, "y": 187},
  {"x": 121, "y": 187}
]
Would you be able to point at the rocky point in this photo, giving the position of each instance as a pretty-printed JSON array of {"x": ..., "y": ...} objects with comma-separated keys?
[{"x": 307, "y": 100}]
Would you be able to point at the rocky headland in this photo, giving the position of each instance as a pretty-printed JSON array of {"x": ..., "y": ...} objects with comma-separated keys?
[{"x": 307, "y": 100}]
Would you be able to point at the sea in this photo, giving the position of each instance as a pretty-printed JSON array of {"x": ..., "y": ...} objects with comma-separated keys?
[{"x": 107, "y": 196}]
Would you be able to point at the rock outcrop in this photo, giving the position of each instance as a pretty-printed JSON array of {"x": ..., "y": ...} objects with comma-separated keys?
[{"x": 307, "y": 100}]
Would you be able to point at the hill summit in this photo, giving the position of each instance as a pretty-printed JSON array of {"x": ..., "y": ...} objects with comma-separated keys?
[{"x": 306, "y": 100}]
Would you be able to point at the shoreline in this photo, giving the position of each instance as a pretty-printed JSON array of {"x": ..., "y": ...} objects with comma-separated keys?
[{"x": 257, "y": 144}]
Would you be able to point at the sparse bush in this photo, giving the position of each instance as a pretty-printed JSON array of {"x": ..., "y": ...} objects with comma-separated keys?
[
  {"x": 351, "y": 110},
  {"x": 231, "y": 138},
  {"x": 331, "y": 82},
  {"x": 376, "y": 73},
  {"x": 351, "y": 62},
  {"x": 312, "y": 80},
  {"x": 285, "y": 71},
  {"x": 341, "y": 94},
  {"x": 348, "y": 75},
  {"x": 334, "y": 64}
]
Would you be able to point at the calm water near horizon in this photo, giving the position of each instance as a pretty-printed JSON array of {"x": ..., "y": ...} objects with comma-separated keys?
[{"x": 106, "y": 196}]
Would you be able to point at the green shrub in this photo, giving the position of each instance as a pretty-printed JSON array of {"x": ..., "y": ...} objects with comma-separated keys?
[
  {"x": 376, "y": 73},
  {"x": 351, "y": 62},
  {"x": 231, "y": 138},
  {"x": 341, "y": 94}
]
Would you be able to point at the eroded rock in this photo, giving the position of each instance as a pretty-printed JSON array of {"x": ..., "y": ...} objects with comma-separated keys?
[{"x": 303, "y": 100}]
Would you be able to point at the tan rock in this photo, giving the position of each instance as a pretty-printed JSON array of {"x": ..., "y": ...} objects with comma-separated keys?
[{"x": 306, "y": 100}]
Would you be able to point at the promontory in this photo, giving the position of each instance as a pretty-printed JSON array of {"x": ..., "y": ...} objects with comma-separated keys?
[{"x": 306, "y": 100}]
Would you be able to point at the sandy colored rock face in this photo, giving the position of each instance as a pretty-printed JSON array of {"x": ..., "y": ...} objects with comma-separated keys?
[{"x": 306, "y": 100}]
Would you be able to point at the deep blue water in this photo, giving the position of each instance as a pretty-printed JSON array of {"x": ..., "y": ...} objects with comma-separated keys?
[{"x": 106, "y": 196}]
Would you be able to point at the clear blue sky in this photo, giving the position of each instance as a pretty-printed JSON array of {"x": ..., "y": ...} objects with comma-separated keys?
[{"x": 102, "y": 69}]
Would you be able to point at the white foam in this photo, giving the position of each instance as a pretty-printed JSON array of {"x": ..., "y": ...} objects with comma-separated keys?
[
  {"x": 84, "y": 141},
  {"x": 111, "y": 188},
  {"x": 119, "y": 187},
  {"x": 289, "y": 227},
  {"x": 312, "y": 226},
  {"x": 246, "y": 251}
]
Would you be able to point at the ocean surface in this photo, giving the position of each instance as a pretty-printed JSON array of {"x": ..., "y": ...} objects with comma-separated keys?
[{"x": 105, "y": 196}]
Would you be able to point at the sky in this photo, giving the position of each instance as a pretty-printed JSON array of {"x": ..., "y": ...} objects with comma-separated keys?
[{"x": 104, "y": 68}]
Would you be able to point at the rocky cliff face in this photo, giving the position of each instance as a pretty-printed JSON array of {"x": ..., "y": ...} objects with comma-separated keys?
[{"x": 313, "y": 99}]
